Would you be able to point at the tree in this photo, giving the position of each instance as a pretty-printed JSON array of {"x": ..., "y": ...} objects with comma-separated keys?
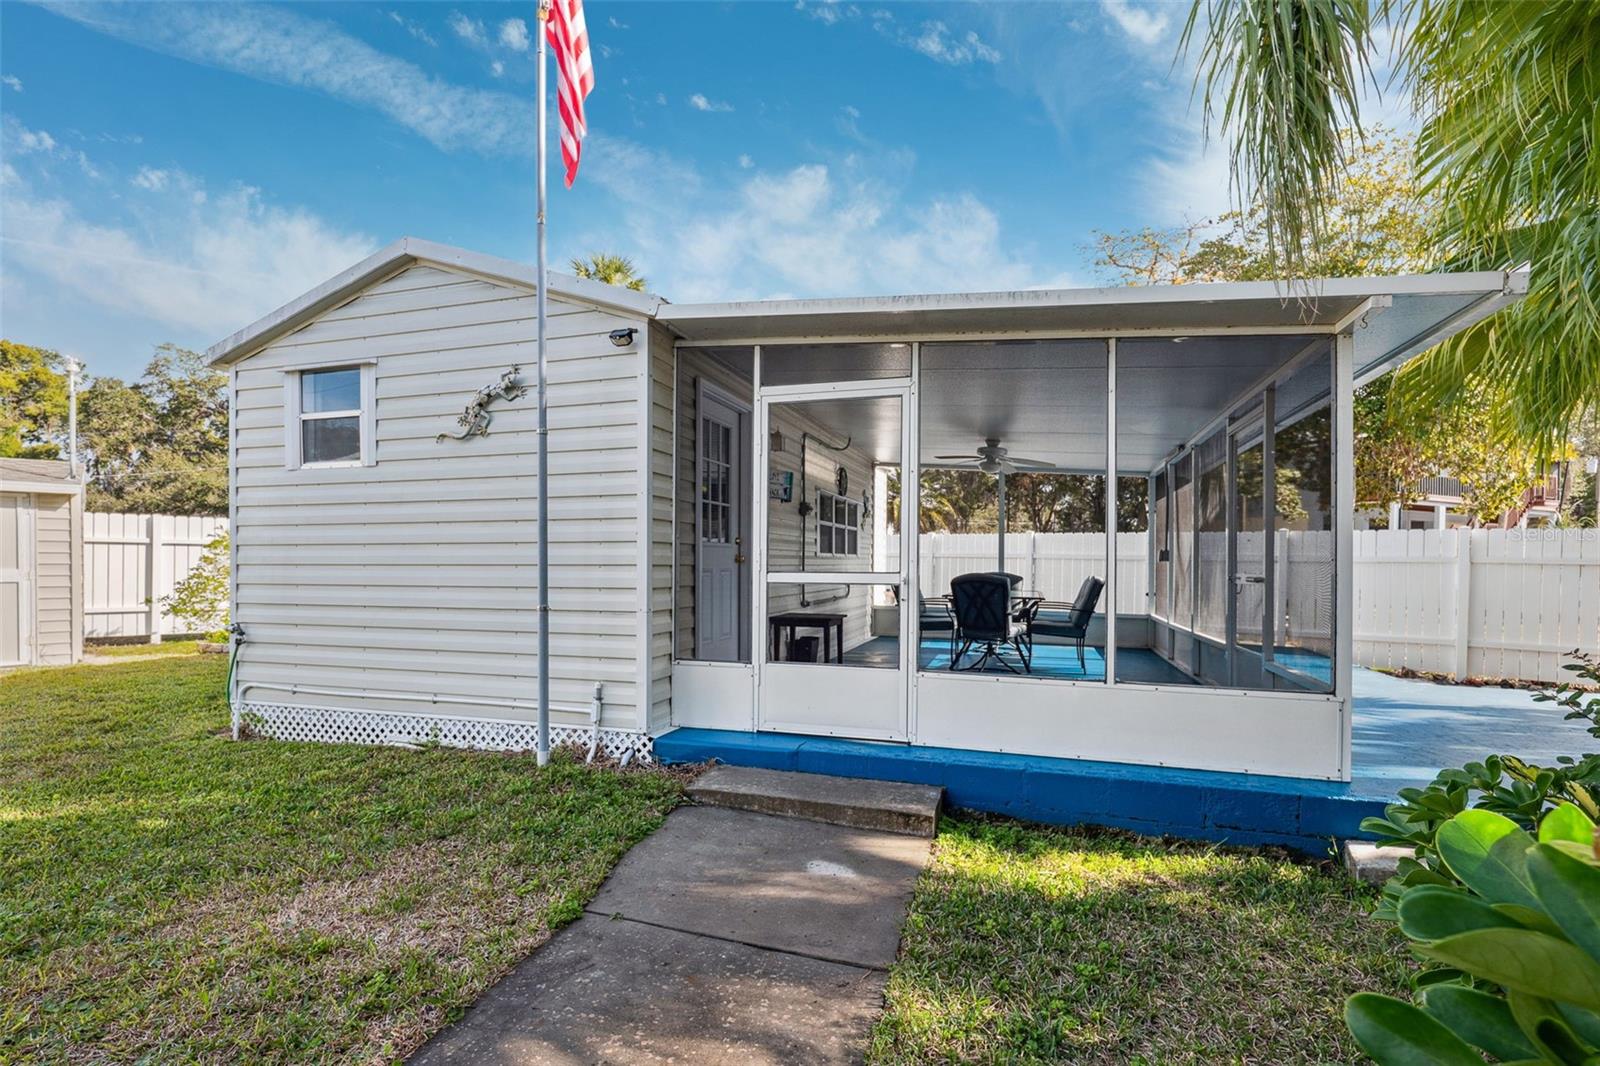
[
  {"x": 611, "y": 269},
  {"x": 1376, "y": 221},
  {"x": 201, "y": 598},
  {"x": 1507, "y": 95},
  {"x": 161, "y": 444},
  {"x": 33, "y": 401}
]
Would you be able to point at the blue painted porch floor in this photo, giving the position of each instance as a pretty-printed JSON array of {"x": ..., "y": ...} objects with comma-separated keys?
[
  {"x": 1404, "y": 731},
  {"x": 1058, "y": 661}
]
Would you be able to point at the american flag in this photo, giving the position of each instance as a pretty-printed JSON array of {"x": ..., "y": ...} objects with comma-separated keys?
[{"x": 569, "y": 39}]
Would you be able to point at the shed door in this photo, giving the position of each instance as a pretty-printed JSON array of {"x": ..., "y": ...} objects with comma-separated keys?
[{"x": 16, "y": 579}]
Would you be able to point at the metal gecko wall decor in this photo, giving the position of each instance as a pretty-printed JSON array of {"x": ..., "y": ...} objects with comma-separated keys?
[{"x": 475, "y": 419}]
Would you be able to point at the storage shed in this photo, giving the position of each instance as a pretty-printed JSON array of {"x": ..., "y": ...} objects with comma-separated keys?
[
  {"x": 41, "y": 561},
  {"x": 733, "y": 497}
]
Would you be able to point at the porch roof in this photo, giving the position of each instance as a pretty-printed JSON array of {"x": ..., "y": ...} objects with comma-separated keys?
[{"x": 1404, "y": 315}]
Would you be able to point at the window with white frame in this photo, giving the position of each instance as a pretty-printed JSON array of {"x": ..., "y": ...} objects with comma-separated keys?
[
  {"x": 838, "y": 525},
  {"x": 330, "y": 423}
]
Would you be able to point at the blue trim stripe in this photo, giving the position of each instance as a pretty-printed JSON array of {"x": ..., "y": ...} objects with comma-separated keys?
[{"x": 1232, "y": 808}]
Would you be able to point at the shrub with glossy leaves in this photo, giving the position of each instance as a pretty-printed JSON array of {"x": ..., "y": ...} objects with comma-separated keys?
[{"x": 1512, "y": 939}]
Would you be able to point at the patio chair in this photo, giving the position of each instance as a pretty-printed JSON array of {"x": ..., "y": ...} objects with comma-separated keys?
[
  {"x": 1069, "y": 621},
  {"x": 984, "y": 618},
  {"x": 933, "y": 616}
]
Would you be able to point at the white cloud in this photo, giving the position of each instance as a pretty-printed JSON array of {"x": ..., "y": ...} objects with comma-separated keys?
[
  {"x": 416, "y": 30},
  {"x": 19, "y": 140},
  {"x": 1146, "y": 27},
  {"x": 616, "y": 23},
  {"x": 279, "y": 45},
  {"x": 497, "y": 68},
  {"x": 827, "y": 11},
  {"x": 150, "y": 179},
  {"x": 935, "y": 41},
  {"x": 745, "y": 162},
  {"x": 29, "y": 141},
  {"x": 816, "y": 229},
  {"x": 11, "y": 81},
  {"x": 201, "y": 266},
  {"x": 469, "y": 30},
  {"x": 514, "y": 35},
  {"x": 700, "y": 103}
]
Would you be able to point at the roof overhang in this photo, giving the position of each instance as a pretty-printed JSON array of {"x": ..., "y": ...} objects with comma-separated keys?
[
  {"x": 404, "y": 253},
  {"x": 1397, "y": 316},
  {"x": 48, "y": 476}
]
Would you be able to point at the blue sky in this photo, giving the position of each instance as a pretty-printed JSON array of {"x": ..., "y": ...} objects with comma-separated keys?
[{"x": 173, "y": 171}]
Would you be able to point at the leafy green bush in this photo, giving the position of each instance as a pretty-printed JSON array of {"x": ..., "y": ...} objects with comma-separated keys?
[
  {"x": 1504, "y": 784},
  {"x": 201, "y": 598},
  {"x": 1509, "y": 926},
  {"x": 1514, "y": 949}
]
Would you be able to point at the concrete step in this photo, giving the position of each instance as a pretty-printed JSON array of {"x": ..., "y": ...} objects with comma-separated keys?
[{"x": 888, "y": 806}]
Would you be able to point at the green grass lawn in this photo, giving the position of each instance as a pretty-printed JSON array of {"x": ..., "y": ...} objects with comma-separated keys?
[
  {"x": 1031, "y": 944},
  {"x": 167, "y": 894}
]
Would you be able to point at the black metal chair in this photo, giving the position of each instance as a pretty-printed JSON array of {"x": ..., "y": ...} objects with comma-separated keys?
[
  {"x": 1069, "y": 621},
  {"x": 933, "y": 616},
  {"x": 984, "y": 617}
]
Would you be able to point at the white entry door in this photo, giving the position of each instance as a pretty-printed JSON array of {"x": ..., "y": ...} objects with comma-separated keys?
[
  {"x": 721, "y": 586},
  {"x": 16, "y": 579}
]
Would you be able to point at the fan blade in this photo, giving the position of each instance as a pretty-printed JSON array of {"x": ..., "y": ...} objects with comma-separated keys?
[{"x": 1039, "y": 463}]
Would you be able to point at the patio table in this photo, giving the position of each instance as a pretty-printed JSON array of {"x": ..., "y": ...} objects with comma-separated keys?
[{"x": 793, "y": 620}]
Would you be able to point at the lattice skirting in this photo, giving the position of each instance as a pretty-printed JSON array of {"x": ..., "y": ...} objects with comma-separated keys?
[{"x": 334, "y": 725}]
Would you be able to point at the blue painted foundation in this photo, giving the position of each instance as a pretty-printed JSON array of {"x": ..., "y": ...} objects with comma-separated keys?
[
  {"x": 1234, "y": 808},
  {"x": 1403, "y": 733}
]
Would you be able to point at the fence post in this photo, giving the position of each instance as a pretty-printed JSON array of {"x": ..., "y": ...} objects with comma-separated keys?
[
  {"x": 153, "y": 571},
  {"x": 1463, "y": 605},
  {"x": 1033, "y": 561}
]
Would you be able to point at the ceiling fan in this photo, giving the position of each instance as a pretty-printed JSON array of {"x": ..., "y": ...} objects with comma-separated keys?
[{"x": 993, "y": 458}]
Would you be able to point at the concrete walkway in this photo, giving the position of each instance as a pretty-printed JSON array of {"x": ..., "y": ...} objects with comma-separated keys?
[{"x": 726, "y": 937}]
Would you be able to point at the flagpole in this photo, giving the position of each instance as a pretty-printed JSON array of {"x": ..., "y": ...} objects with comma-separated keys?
[{"x": 544, "y": 427}]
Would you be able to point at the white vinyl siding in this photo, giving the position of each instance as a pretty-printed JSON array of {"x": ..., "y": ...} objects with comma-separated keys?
[
  {"x": 417, "y": 572},
  {"x": 663, "y": 401}
]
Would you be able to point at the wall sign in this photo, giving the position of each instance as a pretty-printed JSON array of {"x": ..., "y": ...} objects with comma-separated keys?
[{"x": 780, "y": 485}]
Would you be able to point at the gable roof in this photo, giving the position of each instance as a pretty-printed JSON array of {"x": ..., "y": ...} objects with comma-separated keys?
[{"x": 406, "y": 252}]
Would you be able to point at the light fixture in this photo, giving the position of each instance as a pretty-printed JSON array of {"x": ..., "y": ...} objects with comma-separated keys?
[
  {"x": 623, "y": 337},
  {"x": 775, "y": 442}
]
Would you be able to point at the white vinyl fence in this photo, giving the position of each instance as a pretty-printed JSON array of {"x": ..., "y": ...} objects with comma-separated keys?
[
  {"x": 130, "y": 561},
  {"x": 1501, "y": 603}
]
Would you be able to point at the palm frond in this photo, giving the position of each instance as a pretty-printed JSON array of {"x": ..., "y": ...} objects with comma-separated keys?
[{"x": 1283, "y": 79}]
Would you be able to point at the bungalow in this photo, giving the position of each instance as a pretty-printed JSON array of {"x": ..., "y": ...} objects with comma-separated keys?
[{"x": 734, "y": 492}]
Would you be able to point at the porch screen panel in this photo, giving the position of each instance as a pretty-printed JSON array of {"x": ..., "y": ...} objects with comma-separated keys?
[
  {"x": 821, "y": 459},
  {"x": 1161, "y": 546},
  {"x": 1304, "y": 556},
  {"x": 1032, "y": 413},
  {"x": 817, "y": 364},
  {"x": 1211, "y": 539},
  {"x": 1183, "y": 541}
]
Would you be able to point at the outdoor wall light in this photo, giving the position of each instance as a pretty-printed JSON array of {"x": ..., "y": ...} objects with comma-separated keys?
[{"x": 623, "y": 337}]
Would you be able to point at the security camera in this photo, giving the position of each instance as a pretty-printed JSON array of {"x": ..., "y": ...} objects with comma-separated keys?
[{"x": 623, "y": 337}]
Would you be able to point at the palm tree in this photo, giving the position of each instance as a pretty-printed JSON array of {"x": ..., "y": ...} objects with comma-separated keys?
[
  {"x": 611, "y": 269},
  {"x": 1506, "y": 94}
]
